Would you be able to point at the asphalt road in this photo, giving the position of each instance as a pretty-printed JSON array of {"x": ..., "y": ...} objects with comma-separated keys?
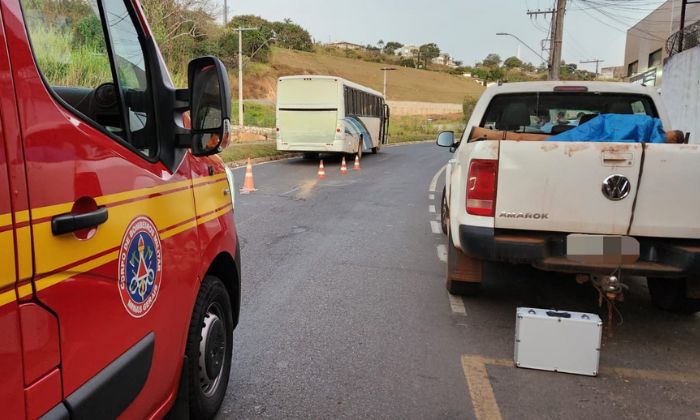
[{"x": 345, "y": 314}]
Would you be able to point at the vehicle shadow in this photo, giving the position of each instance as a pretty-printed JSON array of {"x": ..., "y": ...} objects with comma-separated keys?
[{"x": 642, "y": 334}]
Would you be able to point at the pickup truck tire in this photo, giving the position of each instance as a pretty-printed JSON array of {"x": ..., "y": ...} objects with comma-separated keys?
[
  {"x": 444, "y": 211},
  {"x": 463, "y": 272},
  {"x": 209, "y": 349},
  {"x": 671, "y": 295}
]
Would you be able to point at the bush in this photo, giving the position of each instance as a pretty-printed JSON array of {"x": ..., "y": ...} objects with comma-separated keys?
[{"x": 468, "y": 106}]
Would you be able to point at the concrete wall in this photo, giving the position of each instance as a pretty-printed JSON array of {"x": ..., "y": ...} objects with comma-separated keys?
[
  {"x": 681, "y": 92},
  {"x": 422, "y": 108}
]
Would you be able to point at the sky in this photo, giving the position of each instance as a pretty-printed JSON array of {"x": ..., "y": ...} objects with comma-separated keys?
[{"x": 466, "y": 29}]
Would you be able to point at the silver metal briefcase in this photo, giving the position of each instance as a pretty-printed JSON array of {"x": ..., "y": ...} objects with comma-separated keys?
[{"x": 558, "y": 341}]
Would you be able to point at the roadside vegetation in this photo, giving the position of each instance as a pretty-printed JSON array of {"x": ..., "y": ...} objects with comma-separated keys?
[
  {"x": 238, "y": 152},
  {"x": 408, "y": 128},
  {"x": 255, "y": 114}
]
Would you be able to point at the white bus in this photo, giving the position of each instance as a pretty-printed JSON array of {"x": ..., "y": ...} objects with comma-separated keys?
[{"x": 325, "y": 114}]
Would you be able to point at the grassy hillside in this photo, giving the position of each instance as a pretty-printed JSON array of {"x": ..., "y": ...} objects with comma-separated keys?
[{"x": 405, "y": 84}]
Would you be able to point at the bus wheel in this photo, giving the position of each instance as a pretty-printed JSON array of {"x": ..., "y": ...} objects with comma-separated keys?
[
  {"x": 359, "y": 148},
  {"x": 310, "y": 155},
  {"x": 209, "y": 349},
  {"x": 375, "y": 150}
]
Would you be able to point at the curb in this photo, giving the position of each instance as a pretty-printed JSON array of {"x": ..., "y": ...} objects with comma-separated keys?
[{"x": 285, "y": 156}]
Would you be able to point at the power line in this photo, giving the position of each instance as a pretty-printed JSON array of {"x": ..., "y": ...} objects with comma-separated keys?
[{"x": 597, "y": 62}]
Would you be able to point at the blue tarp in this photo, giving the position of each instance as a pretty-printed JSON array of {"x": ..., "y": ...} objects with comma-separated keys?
[{"x": 616, "y": 128}]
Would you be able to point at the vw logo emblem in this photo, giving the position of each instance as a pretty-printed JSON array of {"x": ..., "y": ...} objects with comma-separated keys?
[{"x": 616, "y": 187}]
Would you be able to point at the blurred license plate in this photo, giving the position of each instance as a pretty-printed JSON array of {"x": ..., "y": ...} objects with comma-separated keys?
[{"x": 602, "y": 249}]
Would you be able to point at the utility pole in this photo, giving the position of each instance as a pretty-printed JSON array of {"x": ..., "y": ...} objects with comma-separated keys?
[
  {"x": 558, "y": 39},
  {"x": 240, "y": 72},
  {"x": 596, "y": 61},
  {"x": 552, "y": 36},
  {"x": 385, "y": 70},
  {"x": 225, "y": 12}
]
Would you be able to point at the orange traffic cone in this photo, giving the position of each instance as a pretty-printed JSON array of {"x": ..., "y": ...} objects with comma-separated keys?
[
  {"x": 248, "y": 184},
  {"x": 321, "y": 171},
  {"x": 343, "y": 167},
  {"x": 357, "y": 163}
]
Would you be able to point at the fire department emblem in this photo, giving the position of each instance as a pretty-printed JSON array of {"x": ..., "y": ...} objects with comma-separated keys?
[{"x": 140, "y": 267}]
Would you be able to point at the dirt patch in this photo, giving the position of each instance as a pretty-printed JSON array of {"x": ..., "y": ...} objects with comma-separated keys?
[{"x": 248, "y": 137}]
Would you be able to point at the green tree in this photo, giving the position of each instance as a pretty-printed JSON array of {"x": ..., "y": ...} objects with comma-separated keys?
[
  {"x": 391, "y": 47},
  {"x": 292, "y": 36},
  {"x": 407, "y": 62},
  {"x": 256, "y": 44},
  {"x": 529, "y": 67},
  {"x": 183, "y": 29},
  {"x": 491, "y": 60},
  {"x": 428, "y": 52},
  {"x": 513, "y": 63}
]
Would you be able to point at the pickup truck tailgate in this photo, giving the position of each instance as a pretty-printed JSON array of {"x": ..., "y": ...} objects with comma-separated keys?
[
  {"x": 558, "y": 186},
  {"x": 668, "y": 205}
]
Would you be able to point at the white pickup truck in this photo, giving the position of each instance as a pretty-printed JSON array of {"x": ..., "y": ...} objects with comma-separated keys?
[{"x": 595, "y": 209}]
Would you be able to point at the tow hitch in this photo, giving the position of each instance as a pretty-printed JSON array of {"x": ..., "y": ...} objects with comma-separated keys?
[{"x": 611, "y": 291}]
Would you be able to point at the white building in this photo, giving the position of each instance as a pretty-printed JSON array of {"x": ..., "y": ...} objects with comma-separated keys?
[{"x": 407, "y": 51}]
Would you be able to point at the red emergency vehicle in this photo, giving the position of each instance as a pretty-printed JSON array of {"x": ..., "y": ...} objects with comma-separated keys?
[{"x": 119, "y": 259}]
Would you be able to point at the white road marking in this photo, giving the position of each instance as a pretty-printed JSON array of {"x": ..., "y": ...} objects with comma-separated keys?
[
  {"x": 290, "y": 191},
  {"x": 431, "y": 196},
  {"x": 433, "y": 184},
  {"x": 457, "y": 304},
  {"x": 442, "y": 253},
  {"x": 431, "y": 209},
  {"x": 435, "y": 227}
]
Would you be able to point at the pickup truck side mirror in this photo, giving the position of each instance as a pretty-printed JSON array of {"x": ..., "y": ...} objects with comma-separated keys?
[
  {"x": 446, "y": 139},
  {"x": 210, "y": 106}
]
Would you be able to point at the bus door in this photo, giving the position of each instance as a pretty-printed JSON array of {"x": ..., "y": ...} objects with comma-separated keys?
[{"x": 385, "y": 124}]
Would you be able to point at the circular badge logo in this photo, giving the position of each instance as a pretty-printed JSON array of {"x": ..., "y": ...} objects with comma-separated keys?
[{"x": 140, "y": 267}]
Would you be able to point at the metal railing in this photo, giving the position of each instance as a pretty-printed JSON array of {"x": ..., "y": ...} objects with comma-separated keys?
[{"x": 689, "y": 37}]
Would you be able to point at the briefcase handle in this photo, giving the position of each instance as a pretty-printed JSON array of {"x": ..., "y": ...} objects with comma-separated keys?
[{"x": 558, "y": 314}]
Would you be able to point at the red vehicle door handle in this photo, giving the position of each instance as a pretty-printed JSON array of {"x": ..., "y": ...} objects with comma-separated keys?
[{"x": 68, "y": 223}]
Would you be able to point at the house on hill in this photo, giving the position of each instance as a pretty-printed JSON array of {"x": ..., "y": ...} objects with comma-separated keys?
[
  {"x": 346, "y": 45},
  {"x": 444, "y": 60},
  {"x": 407, "y": 51}
]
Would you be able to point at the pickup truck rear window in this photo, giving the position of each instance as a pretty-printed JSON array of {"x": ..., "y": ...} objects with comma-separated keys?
[{"x": 556, "y": 112}]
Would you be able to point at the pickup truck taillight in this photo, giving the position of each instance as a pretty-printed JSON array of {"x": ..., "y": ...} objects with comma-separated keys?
[{"x": 481, "y": 187}]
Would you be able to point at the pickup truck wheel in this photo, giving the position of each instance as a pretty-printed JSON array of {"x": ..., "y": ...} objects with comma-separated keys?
[
  {"x": 463, "y": 272},
  {"x": 671, "y": 295},
  {"x": 444, "y": 211},
  {"x": 209, "y": 349}
]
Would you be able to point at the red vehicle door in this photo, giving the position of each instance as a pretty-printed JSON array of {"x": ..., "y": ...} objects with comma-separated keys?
[
  {"x": 11, "y": 379},
  {"x": 112, "y": 212}
]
